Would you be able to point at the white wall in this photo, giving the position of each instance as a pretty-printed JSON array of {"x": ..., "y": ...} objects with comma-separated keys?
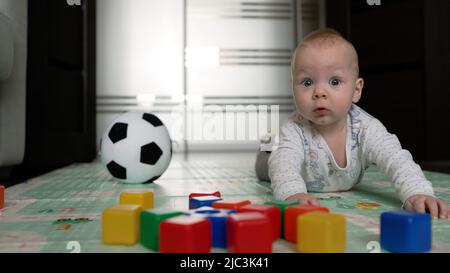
[
  {"x": 140, "y": 50},
  {"x": 13, "y": 84},
  {"x": 139, "y": 46},
  {"x": 254, "y": 44}
]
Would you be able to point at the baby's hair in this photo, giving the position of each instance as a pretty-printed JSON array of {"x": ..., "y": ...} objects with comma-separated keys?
[{"x": 324, "y": 36}]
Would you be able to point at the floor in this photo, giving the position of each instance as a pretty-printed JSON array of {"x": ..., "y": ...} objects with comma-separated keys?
[{"x": 50, "y": 213}]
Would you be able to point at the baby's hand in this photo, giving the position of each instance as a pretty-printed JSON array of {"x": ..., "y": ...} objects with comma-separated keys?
[
  {"x": 304, "y": 199},
  {"x": 422, "y": 203}
]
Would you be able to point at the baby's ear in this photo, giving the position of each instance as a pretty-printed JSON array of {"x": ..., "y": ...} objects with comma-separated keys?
[{"x": 358, "y": 90}]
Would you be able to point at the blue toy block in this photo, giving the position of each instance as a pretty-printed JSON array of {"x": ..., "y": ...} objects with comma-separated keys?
[
  {"x": 218, "y": 219},
  {"x": 201, "y": 201},
  {"x": 404, "y": 231}
]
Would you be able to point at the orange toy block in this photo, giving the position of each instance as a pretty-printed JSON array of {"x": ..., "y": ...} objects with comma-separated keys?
[{"x": 230, "y": 205}]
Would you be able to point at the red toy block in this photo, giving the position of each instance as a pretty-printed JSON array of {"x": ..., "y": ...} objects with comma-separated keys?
[
  {"x": 249, "y": 232},
  {"x": 194, "y": 194},
  {"x": 230, "y": 205},
  {"x": 290, "y": 219},
  {"x": 185, "y": 234},
  {"x": 2, "y": 196},
  {"x": 272, "y": 212}
]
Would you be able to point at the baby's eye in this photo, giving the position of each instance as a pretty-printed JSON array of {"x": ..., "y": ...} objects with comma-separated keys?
[
  {"x": 307, "y": 83},
  {"x": 335, "y": 82}
]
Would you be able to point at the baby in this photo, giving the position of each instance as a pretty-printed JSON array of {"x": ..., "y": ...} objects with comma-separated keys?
[{"x": 329, "y": 142}]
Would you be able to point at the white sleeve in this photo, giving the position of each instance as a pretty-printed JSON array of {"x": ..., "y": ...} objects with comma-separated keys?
[
  {"x": 285, "y": 163},
  {"x": 384, "y": 150}
]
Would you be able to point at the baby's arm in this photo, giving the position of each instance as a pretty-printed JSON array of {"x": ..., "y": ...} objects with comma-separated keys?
[
  {"x": 384, "y": 149},
  {"x": 284, "y": 167}
]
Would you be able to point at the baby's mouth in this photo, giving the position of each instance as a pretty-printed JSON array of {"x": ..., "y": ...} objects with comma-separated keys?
[{"x": 321, "y": 111}]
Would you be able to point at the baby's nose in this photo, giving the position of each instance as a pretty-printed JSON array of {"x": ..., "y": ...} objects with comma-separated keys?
[{"x": 319, "y": 93}]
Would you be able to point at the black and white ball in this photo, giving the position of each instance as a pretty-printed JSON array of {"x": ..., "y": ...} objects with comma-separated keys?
[{"x": 136, "y": 148}]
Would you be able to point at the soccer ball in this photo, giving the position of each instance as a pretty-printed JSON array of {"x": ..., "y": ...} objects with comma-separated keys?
[{"x": 136, "y": 148}]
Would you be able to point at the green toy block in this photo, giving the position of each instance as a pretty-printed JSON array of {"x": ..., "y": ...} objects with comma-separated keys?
[
  {"x": 282, "y": 205},
  {"x": 150, "y": 220}
]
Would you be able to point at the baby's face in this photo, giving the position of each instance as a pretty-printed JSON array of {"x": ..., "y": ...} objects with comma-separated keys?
[{"x": 325, "y": 82}]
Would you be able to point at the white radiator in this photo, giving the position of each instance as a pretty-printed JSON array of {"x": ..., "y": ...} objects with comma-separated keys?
[{"x": 13, "y": 63}]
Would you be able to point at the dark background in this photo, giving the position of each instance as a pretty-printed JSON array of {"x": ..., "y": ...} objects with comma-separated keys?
[
  {"x": 404, "y": 55},
  {"x": 403, "y": 46},
  {"x": 60, "y": 103}
]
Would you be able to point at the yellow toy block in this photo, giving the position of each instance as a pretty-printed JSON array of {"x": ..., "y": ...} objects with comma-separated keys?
[
  {"x": 320, "y": 232},
  {"x": 120, "y": 225},
  {"x": 141, "y": 198}
]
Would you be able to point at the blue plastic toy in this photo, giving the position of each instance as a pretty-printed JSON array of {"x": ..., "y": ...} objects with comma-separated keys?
[
  {"x": 218, "y": 219},
  {"x": 202, "y": 201},
  {"x": 404, "y": 231}
]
